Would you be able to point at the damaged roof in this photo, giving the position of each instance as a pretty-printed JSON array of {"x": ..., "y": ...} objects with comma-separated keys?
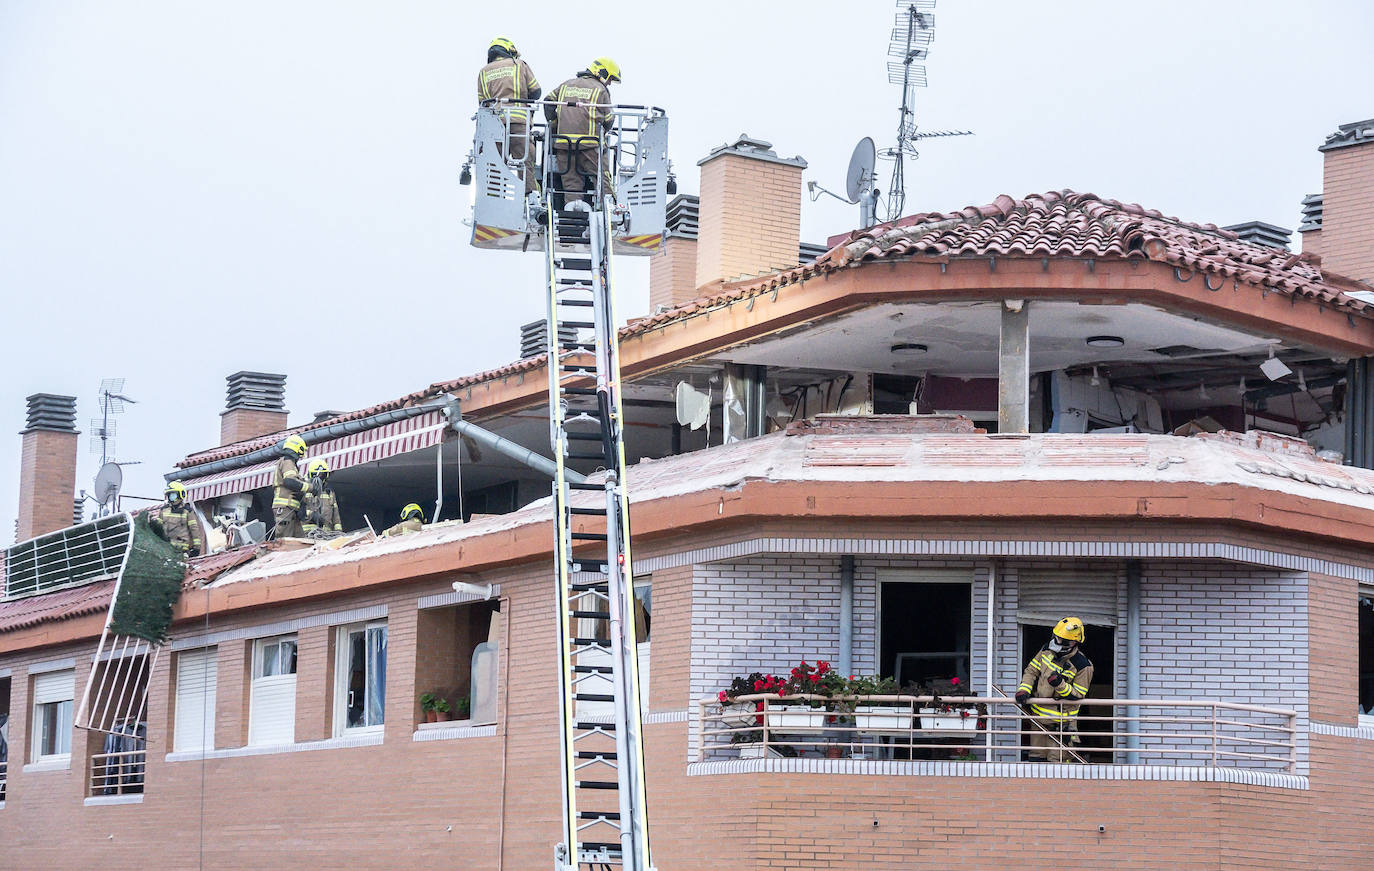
[{"x": 1057, "y": 224}]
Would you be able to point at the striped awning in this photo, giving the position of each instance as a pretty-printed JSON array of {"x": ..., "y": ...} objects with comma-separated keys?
[{"x": 402, "y": 437}]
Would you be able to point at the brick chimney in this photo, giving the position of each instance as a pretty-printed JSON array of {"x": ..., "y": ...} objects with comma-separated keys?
[
  {"x": 673, "y": 267},
  {"x": 47, "y": 466},
  {"x": 1347, "y": 222},
  {"x": 256, "y": 406},
  {"x": 750, "y": 213}
]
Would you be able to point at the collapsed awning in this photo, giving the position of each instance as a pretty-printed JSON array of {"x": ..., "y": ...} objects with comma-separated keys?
[{"x": 402, "y": 437}]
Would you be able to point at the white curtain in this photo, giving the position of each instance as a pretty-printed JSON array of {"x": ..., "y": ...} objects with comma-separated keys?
[{"x": 376, "y": 676}]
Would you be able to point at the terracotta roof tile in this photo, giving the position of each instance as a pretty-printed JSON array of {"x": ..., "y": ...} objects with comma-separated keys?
[
  {"x": 59, "y": 605},
  {"x": 204, "y": 569}
]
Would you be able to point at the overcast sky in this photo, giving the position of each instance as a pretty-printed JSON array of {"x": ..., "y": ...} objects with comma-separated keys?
[{"x": 191, "y": 189}]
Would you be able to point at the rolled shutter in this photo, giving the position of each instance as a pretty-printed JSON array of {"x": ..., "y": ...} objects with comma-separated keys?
[
  {"x": 197, "y": 674},
  {"x": 54, "y": 686},
  {"x": 1046, "y": 597},
  {"x": 272, "y": 713}
]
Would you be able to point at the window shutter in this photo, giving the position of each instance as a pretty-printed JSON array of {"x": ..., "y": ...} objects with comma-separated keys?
[
  {"x": 197, "y": 672},
  {"x": 272, "y": 714},
  {"x": 54, "y": 686},
  {"x": 1048, "y": 596}
]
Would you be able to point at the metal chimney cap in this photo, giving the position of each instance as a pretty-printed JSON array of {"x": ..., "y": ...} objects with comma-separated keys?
[
  {"x": 51, "y": 412},
  {"x": 758, "y": 149},
  {"x": 1355, "y": 133}
]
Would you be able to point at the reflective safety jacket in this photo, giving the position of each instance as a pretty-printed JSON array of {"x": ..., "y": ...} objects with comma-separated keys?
[
  {"x": 508, "y": 79},
  {"x": 414, "y": 524},
  {"x": 180, "y": 527},
  {"x": 286, "y": 478},
  {"x": 321, "y": 511},
  {"x": 583, "y": 113},
  {"x": 1076, "y": 672}
]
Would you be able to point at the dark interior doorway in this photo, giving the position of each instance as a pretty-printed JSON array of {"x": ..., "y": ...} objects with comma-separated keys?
[
  {"x": 926, "y": 631},
  {"x": 1100, "y": 646}
]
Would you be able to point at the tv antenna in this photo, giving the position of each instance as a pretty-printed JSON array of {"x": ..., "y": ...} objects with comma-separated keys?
[
  {"x": 910, "y": 43},
  {"x": 858, "y": 183},
  {"x": 111, "y": 403}
]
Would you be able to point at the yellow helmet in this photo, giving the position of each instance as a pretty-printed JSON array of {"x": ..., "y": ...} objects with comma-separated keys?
[
  {"x": 413, "y": 510},
  {"x": 1069, "y": 629},
  {"x": 176, "y": 492},
  {"x": 294, "y": 444},
  {"x": 605, "y": 69},
  {"x": 317, "y": 469},
  {"x": 499, "y": 46}
]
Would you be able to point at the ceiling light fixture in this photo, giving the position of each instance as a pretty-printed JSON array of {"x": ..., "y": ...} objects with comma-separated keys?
[
  {"x": 908, "y": 348},
  {"x": 1105, "y": 341}
]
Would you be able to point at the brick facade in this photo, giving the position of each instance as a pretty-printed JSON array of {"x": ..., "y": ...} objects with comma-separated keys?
[
  {"x": 673, "y": 273},
  {"x": 750, "y": 216}
]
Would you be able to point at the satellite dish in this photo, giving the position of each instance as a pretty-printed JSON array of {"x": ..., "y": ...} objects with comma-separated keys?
[
  {"x": 693, "y": 406},
  {"x": 107, "y": 483},
  {"x": 860, "y": 176}
]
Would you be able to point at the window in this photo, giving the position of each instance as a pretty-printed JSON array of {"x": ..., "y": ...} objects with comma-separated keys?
[
  {"x": 461, "y": 645},
  {"x": 197, "y": 671},
  {"x": 1366, "y": 659},
  {"x": 53, "y": 693},
  {"x": 4, "y": 732},
  {"x": 360, "y": 677},
  {"x": 272, "y": 702}
]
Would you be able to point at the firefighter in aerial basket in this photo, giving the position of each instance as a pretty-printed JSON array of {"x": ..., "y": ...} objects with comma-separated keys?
[
  {"x": 506, "y": 77},
  {"x": 1060, "y": 671},
  {"x": 580, "y": 116}
]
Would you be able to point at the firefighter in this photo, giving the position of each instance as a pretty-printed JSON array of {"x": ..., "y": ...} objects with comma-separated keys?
[
  {"x": 289, "y": 487},
  {"x": 579, "y": 116},
  {"x": 1059, "y": 670},
  {"x": 320, "y": 508},
  {"x": 412, "y": 520},
  {"x": 176, "y": 522},
  {"x": 507, "y": 77}
]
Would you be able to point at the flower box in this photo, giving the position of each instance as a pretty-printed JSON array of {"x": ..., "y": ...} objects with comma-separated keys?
[
  {"x": 793, "y": 718},
  {"x": 948, "y": 721},
  {"x": 756, "y": 751},
  {"x": 734, "y": 716},
  {"x": 883, "y": 719}
]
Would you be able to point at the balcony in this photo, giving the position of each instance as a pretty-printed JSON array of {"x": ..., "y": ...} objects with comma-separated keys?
[
  {"x": 1194, "y": 734},
  {"x": 115, "y": 774}
]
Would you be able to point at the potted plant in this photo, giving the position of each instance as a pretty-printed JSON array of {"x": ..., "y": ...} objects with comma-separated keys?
[
  {"x": 427, "y": 705},
  {"x": 806, "y": 680},
  {"x": 462, "y": 709},
  {"x": 442, "y": 708},
  {"x": 943, "y": 714},
  {"x": 876, "y": 717}
]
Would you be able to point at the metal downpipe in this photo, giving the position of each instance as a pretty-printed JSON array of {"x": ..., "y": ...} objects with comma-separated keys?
[
  {"x": 846, "y": 615},
  {"x": 1133, "y": 659}
]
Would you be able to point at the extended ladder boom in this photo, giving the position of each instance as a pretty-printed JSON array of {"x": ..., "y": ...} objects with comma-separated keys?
[{"x": 604, "y": 811}]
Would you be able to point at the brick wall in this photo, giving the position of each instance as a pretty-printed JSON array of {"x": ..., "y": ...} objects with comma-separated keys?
[
  {"x": 240, "y": 424},
  {"x": 1348, "y": 212},
  {"x": 673, "y": 273},
  {"x": 750, "y": 217},
  {"x": 47, "y": 482},
  {"x": 1333, "y": 642}
]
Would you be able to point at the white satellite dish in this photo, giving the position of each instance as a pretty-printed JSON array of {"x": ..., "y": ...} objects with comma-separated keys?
[
  {"x": 859, "y": 179},
  {"x": 107, "y": 483},
  {"x": 693, "y": 406}
]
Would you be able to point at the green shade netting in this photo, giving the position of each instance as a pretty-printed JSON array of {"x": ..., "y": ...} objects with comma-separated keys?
[{"x": 151, "y": 586}]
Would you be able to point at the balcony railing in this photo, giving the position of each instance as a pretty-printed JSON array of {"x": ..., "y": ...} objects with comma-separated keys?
[
  {"x": 4, "y": 775},
  {"x": 1177, "y": 732},
  {"x": 117, "y": 773}
]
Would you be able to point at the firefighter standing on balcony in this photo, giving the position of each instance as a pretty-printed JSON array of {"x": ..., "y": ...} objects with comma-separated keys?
[
  {"x": 1059, "y": 670},
  {"x": 579, "y": 117},
  {"x": 289, "y": 487},
  {"x": 507, "y": 77},
  {"x": 320, "y": 507},
  {"x": 176, "y": 522}
]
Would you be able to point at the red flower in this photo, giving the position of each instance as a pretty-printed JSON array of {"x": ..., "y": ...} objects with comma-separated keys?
[
  {"x": 814, "y": 677},
  {"x": 822, "y": 667},
  {"x": 782, "y": 691},
  {"x": 724, "y": 697},
  {"x": 954, "y": 681},
  {"x": 758, "y": 686}
]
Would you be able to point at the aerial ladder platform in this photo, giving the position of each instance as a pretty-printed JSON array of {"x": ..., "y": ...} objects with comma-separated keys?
[{"x": 604, "y": 812}]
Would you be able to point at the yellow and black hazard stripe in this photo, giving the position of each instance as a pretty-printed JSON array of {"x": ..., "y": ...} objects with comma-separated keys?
[
  {"x": 483, "y": 233},
  {"x": 644, "y": 240}
]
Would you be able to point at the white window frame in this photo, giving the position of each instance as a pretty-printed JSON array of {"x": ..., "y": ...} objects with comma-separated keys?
[
  {"x": 36, "y": 753},
  {"x": 188, "y": 735},
  {"x": 260, "y": 646},
  {"x": 1364, "y": 592},
  {"x": 342, "y": 650}
]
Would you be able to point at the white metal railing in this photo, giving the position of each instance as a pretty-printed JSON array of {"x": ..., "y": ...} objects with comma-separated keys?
[
  {"x": 117, "y": 773},
  {"x": 1177, "y": 732},
  {"x": 68, "y": 557}
]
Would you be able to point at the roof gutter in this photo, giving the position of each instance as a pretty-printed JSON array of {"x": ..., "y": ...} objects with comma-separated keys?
[{"x": 311, "y": 437}]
